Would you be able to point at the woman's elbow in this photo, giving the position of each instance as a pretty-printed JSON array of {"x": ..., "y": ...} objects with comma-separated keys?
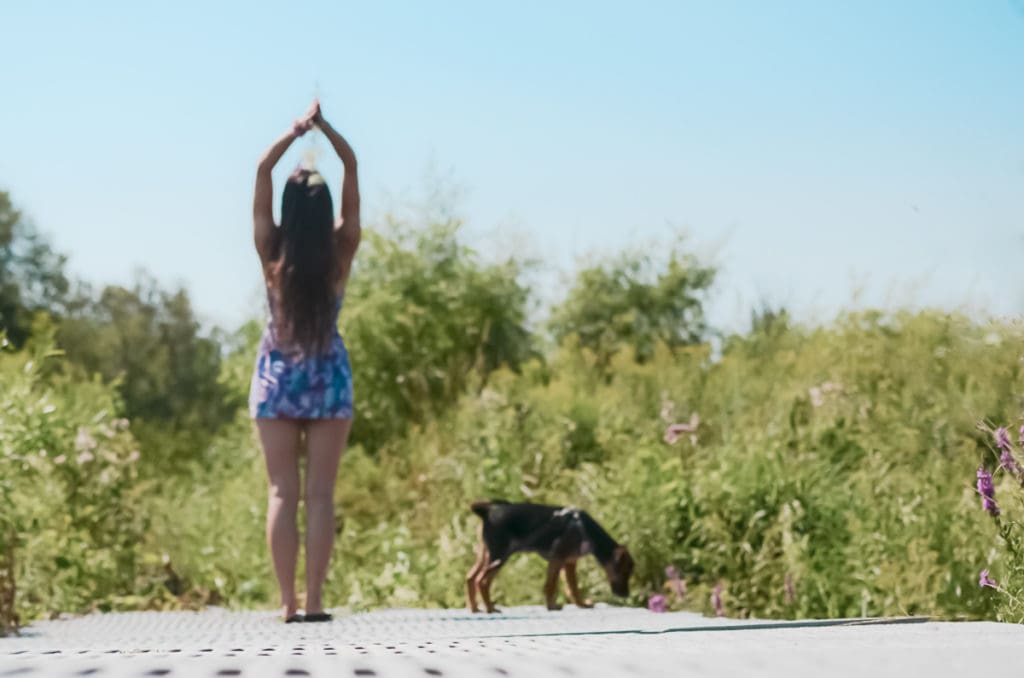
[{"x": 352, "y": 232}]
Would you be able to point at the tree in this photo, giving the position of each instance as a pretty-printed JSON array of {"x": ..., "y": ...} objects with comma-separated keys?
[
  {"x": 168, "y": 371},
  {"x": 425, "y": 320},
  {"x": 633, "y": 302},
  {"x": 32, "y": 275}
]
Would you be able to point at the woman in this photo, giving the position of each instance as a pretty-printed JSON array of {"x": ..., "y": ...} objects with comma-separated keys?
[{"x": 302, "y": 384}]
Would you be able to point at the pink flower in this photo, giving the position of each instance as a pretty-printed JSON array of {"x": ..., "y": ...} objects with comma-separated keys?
[
  {"x": 817, "y": 400},
  {"x": 656, "y": 603},
  {"x": 84, "y": 440},
  {"x": 675, "y": 431},
  {"x": 984, "y": 580},
  {"x": 677, "y": 585}
]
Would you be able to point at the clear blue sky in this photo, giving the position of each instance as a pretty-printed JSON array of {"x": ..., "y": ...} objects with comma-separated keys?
[{"x": 812, "y": 148}]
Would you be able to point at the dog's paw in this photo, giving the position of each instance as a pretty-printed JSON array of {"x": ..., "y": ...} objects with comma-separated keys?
[
  {"x": 494, "y": 610},
  {"x": 555, "y": 607},
  {"x": 586, "y": 604}
]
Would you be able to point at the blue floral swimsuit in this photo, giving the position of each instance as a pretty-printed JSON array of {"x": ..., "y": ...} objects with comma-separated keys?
[{"x": 286, "y": 385}]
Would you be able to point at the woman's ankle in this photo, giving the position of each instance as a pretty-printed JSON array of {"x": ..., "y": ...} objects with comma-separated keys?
[{"x": 314, "y": 604}]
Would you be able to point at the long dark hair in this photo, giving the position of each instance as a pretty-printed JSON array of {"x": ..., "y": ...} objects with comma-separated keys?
[{"x": 303, "y": 268}]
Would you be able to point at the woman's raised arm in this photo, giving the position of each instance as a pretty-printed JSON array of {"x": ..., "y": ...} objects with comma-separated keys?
[
  {"x": 263, "y": 197},
  {"x": 349, "y": 232}
]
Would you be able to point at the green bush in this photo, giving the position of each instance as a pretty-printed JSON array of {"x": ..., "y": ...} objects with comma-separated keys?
[
  {"x": 425, "y": 320},
  {"x": 68, "y": 490}
]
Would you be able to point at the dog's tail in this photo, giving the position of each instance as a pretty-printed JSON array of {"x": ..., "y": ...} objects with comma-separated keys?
[{"x": 483, "y": 508}]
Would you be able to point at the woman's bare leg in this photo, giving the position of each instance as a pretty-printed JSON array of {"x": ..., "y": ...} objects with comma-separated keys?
[
  {"x": 325, "y": 442},
  {"x": 280, "y": 440}
]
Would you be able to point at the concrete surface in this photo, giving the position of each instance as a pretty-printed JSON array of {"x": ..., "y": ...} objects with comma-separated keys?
[{"x": 526, "y": 641}]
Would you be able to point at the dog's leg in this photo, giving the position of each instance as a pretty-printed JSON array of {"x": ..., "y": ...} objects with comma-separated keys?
[
  {"x": 573, "y": 586},
  {"x": 474, "y": 572},
  {"x": 483, "y": 582},
  {"x": 551, "y": 586},
  {"x": 565, "y": 586}
]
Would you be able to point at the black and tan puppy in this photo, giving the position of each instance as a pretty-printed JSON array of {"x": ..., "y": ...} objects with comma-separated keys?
[{"x": 559, "y": 535}]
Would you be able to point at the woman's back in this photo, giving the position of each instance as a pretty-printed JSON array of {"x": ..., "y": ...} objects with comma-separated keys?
[{"x": 276, "y": 337}]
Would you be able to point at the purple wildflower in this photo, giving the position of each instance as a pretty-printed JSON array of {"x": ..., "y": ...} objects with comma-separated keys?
[
  {"x": 790, "y": 590},
  {"x": 1021, "y": 438},
  {"x": 1002, "y": 438},
  {"x": 985, "y": 580},
  {"x": 1007, "y": 462},
  {"x": 656, "y": 603},
  {"x": 677, "y": 585},
  {"x": 987, "y": 491},
  {"x": 716, "y": 600}
]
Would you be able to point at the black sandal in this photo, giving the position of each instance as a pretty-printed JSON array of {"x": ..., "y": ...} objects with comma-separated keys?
[
  {"x": 295, "y": 619},
  {"x": 319, "y": 617}
]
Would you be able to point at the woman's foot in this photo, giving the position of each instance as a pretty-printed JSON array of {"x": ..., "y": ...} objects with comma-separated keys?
[
  {"x": 319, "y": 617},
  {"x": 290, "y": 612}
]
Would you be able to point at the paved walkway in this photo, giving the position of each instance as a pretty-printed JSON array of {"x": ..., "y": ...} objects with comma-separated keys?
[{"x": 526, "y": 641}]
